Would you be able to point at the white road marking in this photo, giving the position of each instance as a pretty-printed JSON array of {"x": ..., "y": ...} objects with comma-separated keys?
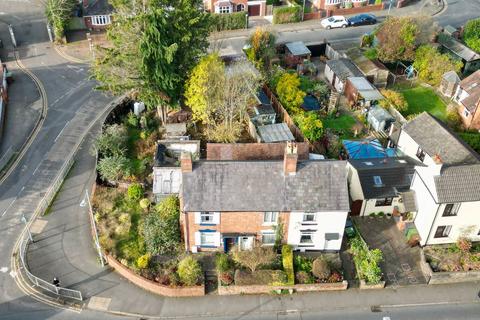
[
  {"x": 11, "y": 203},
  {"x": 4, "y": 269},
  {"x": 61, "y": 131},
  {"x": 38, "y": 166},
  {"x": 13, "y": 274}
]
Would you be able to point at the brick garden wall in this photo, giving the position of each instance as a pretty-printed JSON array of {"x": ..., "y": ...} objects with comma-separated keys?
[
  {"x": 341, "y": 12},
  {"x": 153, "y": 286},
  {"x": 258, "y": 289},
  {"x": 253, "y": 151}
]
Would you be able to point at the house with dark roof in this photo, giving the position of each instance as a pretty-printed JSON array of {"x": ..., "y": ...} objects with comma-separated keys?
[
  {"x": 97, "y": 14},
  {"x": 337, "y": 71},
  {"x": 467, "y": 97},
  {"x": 227, "y": 203},
  {"x": 381, "y": 185},
  {"x": 446, "y": 185}
]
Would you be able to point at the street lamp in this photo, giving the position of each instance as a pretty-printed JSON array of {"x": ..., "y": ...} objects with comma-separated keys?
[{"x": 24, "y": 220}]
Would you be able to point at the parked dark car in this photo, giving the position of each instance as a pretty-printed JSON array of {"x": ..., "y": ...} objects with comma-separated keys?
[{"x": 362, "y": 19}]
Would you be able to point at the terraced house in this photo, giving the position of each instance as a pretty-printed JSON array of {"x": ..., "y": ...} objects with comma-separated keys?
[{"x": 240, "y": 203}]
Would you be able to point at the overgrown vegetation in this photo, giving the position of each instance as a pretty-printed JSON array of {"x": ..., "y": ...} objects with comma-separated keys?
[
  {"x": 431, "y": 65},
  {"x": 393, "y": 99},
  {"x": 460, "y": 256},
  {"x": 471, "y": 34},
  {"x": 58, "y": 14},
  {"x": 262, "y": 49},
  {"x": 366, "y": 260},
  {"x": 228, "y": 21},
  {"x": 287, "y": 14}
]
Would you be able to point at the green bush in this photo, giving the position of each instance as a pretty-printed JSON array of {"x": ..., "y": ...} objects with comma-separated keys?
[
  {"x": 189, "y": 271},
  {"x": 132, "y": 120},
  {"x": 287, "y": 260},
  {"x": 144, "y": 203},
  {"x": 228, "y": 21},
  {"x": 135, "y": 192},
  {"x": 303, "y": 277},
  {"x": 260, "y": 277},
  {"x": 112, "y": 141},
  {"x": 472, "y": 139},
  {"x": 114, "y": 168},
  {"x": 366, "y": 261},
  {"x": 287, "y": 14},
  {"x": 371, "y": 54},
  {"x": 310, "y": 125},
  {"x": 222, "y": 263},
  {"x": 302, "y": 263},
  {"x": 471, "y": 34}
]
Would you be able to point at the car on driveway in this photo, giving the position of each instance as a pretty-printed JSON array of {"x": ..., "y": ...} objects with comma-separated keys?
[
  {"x": 362, "y": 19},
  {"x": 334, "y": 22}
]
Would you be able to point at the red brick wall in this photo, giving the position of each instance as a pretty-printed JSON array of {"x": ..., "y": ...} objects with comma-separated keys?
[
  {"x": 154, "y": 287},
  {"x": 253, "y": 151},
  {"x": 233, "y": 222},
  {"x": 257, "y": 289},
  {"x": 363, "y": 9}
]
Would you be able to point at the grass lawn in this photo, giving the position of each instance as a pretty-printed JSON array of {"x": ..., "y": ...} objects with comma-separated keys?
[
  {"x": 342, "y": 125},
  {"x": 424, "y": 99}
]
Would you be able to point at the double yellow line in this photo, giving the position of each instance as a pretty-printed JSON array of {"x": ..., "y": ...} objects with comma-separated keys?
[{"x": 38, "y": 125}]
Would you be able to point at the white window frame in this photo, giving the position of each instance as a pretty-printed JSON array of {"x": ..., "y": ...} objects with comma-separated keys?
[
  {"x": 211, "y": 237},
  {"x": 466, "y": 113},
  {"x": 331, "y": 2},
  {"x": 306, "y": 235},
  {"x": 307, "y": 214},
  {"x": 270, "y": 218},
  {"x": 224, "y": 9},
  {"x": 206, "y": 217},
  {"x": 268, "y": 234},
  {"x": 241, "y": 6},
  {"x": 101, "y": 20}
]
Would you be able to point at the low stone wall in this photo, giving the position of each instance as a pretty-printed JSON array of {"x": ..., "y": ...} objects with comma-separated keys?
[
  {"x": 453, "y": 277},
  {"x": 258, "y": 289},
  {"x": 364, "y": 9},
  {"x": 153, "y": 286},
  {"x": 365, "y": 286}
]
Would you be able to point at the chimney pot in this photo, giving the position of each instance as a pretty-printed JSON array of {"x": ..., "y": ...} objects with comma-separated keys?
[{"x": 186, "y": 164}]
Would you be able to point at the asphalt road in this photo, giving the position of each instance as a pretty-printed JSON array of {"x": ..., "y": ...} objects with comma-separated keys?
[{"x": 73, "y": 105}]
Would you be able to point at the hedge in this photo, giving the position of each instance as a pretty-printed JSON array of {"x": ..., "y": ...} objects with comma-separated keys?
[
  {"x": 287, "y": 14},
  {"x": 287, "y": 261},
  {"x": 228, "y": 21},
  {"x": 260, "y": 277},
  {"x": 472, "y": 139}
]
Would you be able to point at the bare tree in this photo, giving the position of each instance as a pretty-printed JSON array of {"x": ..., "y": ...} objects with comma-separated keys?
[{"x": 255, "y": 257}]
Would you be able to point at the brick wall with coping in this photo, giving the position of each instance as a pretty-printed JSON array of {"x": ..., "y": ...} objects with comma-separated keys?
[
  {"x": 258, "y": 289},
  {"x": 232, "y": 222},
  {"x": 154, "y": 287},
  {"x": 355, "y": 10},
  {"x": 253, "y": 151}
]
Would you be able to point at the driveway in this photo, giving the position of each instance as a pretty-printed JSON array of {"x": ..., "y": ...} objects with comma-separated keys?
[{"x": 401, "y": 265}]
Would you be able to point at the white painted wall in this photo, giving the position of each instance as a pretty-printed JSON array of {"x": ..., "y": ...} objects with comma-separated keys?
[
  {"x": 329, "y": 75},
  {"x": 369, "y": 207},
  {"x": 325, "y": 222},
  {"x": 166, "y": 180},
  {"x": 354, "y": 185}
]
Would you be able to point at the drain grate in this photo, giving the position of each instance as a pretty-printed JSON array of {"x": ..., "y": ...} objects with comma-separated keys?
[{"x": 375, "y": 309}]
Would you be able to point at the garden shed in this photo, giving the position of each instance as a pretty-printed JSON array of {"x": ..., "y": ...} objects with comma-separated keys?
[
  {"x": 278, "y": 132},
  {"x": 459, "y": 51},
  {"x": 263, "y": 113},
  {"x": 448, "y": 85},
  {"x": 361, "y": 93},
  {"x": 296, "y": 52},
  {"x": 379, "y": 118},
  {"x": 337, "y": 71},
  {"x": 374, "y": 71}
]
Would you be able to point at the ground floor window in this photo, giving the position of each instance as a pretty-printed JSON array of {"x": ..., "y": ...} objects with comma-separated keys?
[
  {"x": 100, "y": 20},
  {"x": 224, "y": 10},
  {"x": 466, "y": 113},
  {"x": 383, "y": 202},
  {"x": 442, "y": 231},
  {"x": 240, "y": 7},
  {"x": 207, "y": 239},
  {"x": 268, "y": 238},
  {"x": 306, "y": 239}
]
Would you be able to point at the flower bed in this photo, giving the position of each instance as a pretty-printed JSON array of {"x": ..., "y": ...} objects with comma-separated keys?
[
  {"x": 366, "y": 263},
  {"x": 461, "y": 256}
]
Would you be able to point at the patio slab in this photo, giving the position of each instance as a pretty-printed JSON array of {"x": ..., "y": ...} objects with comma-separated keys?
[{"x": 401, "y": 265}]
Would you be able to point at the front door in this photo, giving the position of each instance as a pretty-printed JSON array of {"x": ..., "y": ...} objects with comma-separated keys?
[
  {"x": 228, "y": 244},
  {"x": 245, "y": 243},
  {"x": 254, "y": 10},
  {"x": 356, "y": 207}
]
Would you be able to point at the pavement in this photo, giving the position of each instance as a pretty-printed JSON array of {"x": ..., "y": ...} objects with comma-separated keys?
[{"x": 24, "y": 105}]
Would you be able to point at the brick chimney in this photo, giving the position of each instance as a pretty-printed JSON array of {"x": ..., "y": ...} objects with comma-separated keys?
[
  {"x": 290, "y": 159},
  {"x": 186, "y": 162}
]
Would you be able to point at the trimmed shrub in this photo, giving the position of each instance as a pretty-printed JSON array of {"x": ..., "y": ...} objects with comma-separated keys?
[
  {"x": 260, "y": 277},
  {"x": 320, "y": 269},
  {"x": 222, "y": 263},
  {"x": 228, "y": 21},
  {"x": 143, "y": 261},
  {"x": 303, "y": 277},
  {"x": 135, "y": 192},
  {"x": 189, "y": 271},
  {"x": 287, "y": 14},
  {"x": 302, "y": 263},
  {"x": 287, "y": 260}
]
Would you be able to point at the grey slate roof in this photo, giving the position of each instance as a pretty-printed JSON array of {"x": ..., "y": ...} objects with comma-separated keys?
[
  {"x": 99, "y": 7},
  {"x": 277, "y": 132},
  {"x": 409, "y": 200},
  {"x": 451, "y": 76},
  {"x": 344, "y": 68},
  {"x": 434, "y": 137},
  {"x": 365, "y": 88},
  {"x": 395, "y": 173},
  {"x": 458, "y": 48},
  {"x": 458, "y": 184},
  {"x": 262, "y": 186}
]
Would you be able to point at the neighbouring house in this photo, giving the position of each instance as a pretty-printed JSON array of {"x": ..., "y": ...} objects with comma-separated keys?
[
  {"x": 467, "y": 96},
  {"x": 227, "y": 203},
  {"x": 381, "y": 185},
  {"x": 97, "y": 14},
  {"x": 449, "y": 83},
  {"x": 360, "y": 93},
  {"x": 374, "y": 71},
  {"x": 447, "y": 185},
  {"x": 337, "y": 72},
  {"x": 459, "y": 51},
  {"x": 167, "y": 174},
  {"x": 253, "y": 8},
  {"x": 379, "y": 118},
  {"x": 296, "y": 52}
]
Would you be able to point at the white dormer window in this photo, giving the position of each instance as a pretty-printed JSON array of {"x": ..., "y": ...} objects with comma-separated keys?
[{"x": 377, "y": 180}]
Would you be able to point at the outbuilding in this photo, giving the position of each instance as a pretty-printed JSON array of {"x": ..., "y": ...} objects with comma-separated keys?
[{"x": 337, "y": 72}]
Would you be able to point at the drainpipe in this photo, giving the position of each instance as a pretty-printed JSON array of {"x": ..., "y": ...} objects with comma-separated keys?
[{"x": 186, "y": 231}]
